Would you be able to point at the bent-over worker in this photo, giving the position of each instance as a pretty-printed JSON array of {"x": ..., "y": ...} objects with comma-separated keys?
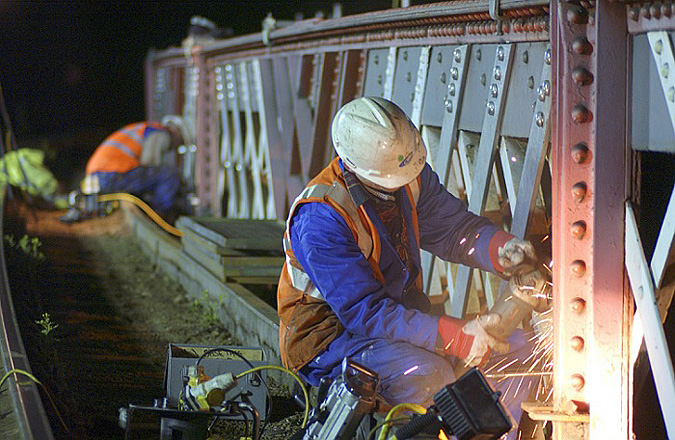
[
  {"x": 130, "y": 160},
  {"x": 352, "y": 282}
]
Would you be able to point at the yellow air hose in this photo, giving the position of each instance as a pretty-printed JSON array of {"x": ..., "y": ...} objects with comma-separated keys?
[{"x": 144, "y": 206}]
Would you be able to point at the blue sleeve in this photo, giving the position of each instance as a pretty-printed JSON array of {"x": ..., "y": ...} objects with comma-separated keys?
[
  {"x": 448, "y": 229},
  {"x": 325, "y": 247}
]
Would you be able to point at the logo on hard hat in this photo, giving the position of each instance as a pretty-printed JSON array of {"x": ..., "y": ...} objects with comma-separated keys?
[{"x": 403, "y": 161}]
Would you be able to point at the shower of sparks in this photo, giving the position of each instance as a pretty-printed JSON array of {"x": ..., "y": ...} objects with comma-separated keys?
[
  {"x": 546, "y": 237},
  {"x": 462, "y": 241},
  {"x": 471, "y": 251},
  {"x": 410, "y": 370}
]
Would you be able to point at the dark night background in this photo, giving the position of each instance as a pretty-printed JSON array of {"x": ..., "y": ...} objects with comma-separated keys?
[{"x": 72, "y": 71}]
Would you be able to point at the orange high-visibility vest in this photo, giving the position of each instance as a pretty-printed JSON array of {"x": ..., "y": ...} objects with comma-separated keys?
[
  {"x": 307, "y": 323},
  {"x": 121, "y": 151}
]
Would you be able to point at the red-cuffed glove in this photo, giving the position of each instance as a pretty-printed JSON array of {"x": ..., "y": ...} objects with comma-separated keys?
[{"x": 469, "y": 340}]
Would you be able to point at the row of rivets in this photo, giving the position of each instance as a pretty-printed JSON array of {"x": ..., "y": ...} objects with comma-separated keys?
[
  {"x": 654, "y": 10},
  {"x": 580, "y": 114}
]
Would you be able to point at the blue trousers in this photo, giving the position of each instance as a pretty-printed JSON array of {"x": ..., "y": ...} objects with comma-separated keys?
[
  {"x": 409, "y": 374},
  {"x": 160, "y": 182}
]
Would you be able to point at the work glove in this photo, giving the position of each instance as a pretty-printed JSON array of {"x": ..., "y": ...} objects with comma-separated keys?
[
  {"x": 515, "y": 252},
  {"x": 470, "y": 340}
]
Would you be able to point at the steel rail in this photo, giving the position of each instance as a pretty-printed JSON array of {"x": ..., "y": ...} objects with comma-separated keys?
[{"x": 26, "y": 417}]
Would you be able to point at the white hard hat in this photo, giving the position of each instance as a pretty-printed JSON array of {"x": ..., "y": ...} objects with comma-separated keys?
[
  {"x": 180, "y": 123},
  {"x": 376, "y": 140}
]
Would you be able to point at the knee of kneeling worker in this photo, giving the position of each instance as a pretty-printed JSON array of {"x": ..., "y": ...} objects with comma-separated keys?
[{"x": 419, "y": 383}]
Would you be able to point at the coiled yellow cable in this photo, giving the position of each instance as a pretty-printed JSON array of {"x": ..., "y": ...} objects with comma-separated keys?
[
  {"x": 144, "y": 206},
  {"x": 419, "y": 409},
  {"x": 295, "y": 376}
]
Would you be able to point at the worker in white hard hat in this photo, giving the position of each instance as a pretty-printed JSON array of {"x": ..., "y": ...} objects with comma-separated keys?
[{"x": 352, "y": 282}]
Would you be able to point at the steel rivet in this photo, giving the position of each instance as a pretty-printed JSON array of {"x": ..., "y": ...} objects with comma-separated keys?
[
  {"x": 451, "y": 89},
  {"x": 526, "y": 57},
  {"x": 577, "y": 343},
  {"x": 578, "y": 229},
  {"x": 497, "y": 73},
  {"x": 405, "y": 55},
  {"x": 580, "y": 153},
  {"x": 578, "y": 268},
  {"x": 454, "y": 73},
  {"x": 579, "y": 191},
  {"x": 577, "y": 381},
  {"x": 376, "y": 60},
  {"x": 541, "y": 94},
  {"x": 580, "y": 114},
  {"x": 578, "y": 305},
  {"x": 443, "y": 78},
  {"x": 479, "y": 54},
  {"x": 581, "y": 46},
  {"x": 491, "y": 108},
  {"x": 500, "y": 53},
  {"x": 530, "y": 82},
  {"x": 458, "y": 55},
  {"x": 547, "y": 56},
  {"x": 439, "y": 57},
  {"x": 665, "y": 70},
  {"x": 658, "y": 47},
  {"x": 671, "y": 94},
  {"x": 547, "y": 87},
  {"x": 539, "y": 119},
  {"x": 483, "y": 80},
  {"x": 494, "y": 90},
  {"x": 581, "y": 76},
  {"x": 577, "y": 15}
]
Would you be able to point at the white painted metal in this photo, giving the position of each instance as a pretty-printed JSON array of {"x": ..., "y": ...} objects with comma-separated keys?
[{"x": 642, "y": 285}]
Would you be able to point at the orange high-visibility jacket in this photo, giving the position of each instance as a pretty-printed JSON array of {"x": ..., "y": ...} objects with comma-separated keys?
[{"x": 121, "y": 151}]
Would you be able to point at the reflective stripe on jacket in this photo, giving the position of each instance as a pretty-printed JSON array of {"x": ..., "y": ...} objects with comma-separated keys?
[{"x": 121, "y": 151}]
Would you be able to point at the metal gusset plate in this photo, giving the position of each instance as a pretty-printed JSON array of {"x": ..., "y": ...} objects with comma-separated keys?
[
  {"x": 653, "y": 93},
  {"x": 380, "y": 72}
]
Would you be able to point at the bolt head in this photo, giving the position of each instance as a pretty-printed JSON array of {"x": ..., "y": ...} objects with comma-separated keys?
[
  {"x": 658, "y": 47},
  {"x": 497, "y": 73},
  {"x": 451, "y": 89},
  {"x": 494, "y": 90},
  {"x": 577, "y": 15},
  {"x": 547, "y": 56},
  {"x": 581, "y": 46},
  {"x": 526, "y": 57},
  {"x": 457, "y": 54},
  {"x": 665, "y": 70},
  {"x": 581, "y": 76},
  {"x": 454, "y": 73},
  {"x": 500, "y": 53},
  {"x": 539, "y": 119},
  {"x": 491, "y": 108}
]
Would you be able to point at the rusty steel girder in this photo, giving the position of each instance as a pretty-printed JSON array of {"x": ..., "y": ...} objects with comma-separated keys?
[{"x": 592, "y": 306}]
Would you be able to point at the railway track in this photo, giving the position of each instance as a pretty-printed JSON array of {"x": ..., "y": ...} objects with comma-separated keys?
[{"x": 96, "y": 316}]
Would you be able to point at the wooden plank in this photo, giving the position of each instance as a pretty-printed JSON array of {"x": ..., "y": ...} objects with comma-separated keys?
[{"x": 238, "y": 233}]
